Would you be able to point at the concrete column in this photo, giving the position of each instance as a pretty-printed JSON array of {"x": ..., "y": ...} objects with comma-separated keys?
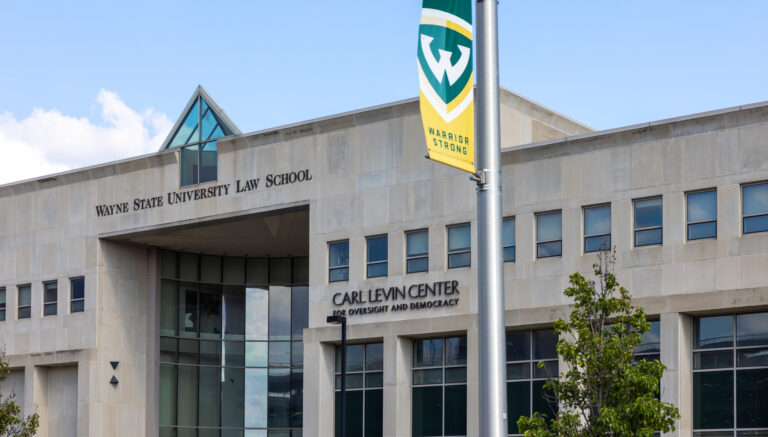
[
  {"x": 473, "y": 383},
  {"x": 318, "y": 389},
  {"x": 397, "y": 386},
  {"x": 36, "y": 396},
  {"x": 677, "y": 381},
  {"x": 152, "y": 382}
]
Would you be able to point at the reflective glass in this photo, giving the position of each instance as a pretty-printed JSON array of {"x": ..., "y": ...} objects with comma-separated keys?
[
  {"x": 651, "y": 340},
  {"x": 77, "y": 306},
  {"x": 713, "y": 400},
  {"x": 233, "y": 309},
  {"x": 256, "y": 310},
  {"x": 297, "y": 397},
  {"x": 756, "y": 224},
  {"x": 168, "y": 264},
  {"x": 187, "y": 396},
  {"x": 374, "y": 354},
  {"x": 279, "y": 353},
  {"x": 186, "y": 432},
  {"x": 210, "y": 353},
  {"x": 167, "y": 394},
  {"x": 518, "y": 403},
  {"x": 188, "y": 351},
  {"x": 428, "y": 352},
  {"x": 77, "y": 288},
  {"x": 338, "y": 254},
  {"x": 457, "y": 260},
  {"x": 713, "y": 332},
  {"x": 459, "y": 238},
  {"x": 549, "y": 226},
  {"x": 301, "y": 270},
  {"x": 256, "y": 354},
  {"x": 50, "y": 292},
  {"x": 598, "y": 243},
  {"x": 279, "y": 313},
  {"x": 455, "y": 375},
  {"x": 374, "y": 379},
  {"x": 427, "y": 411},
  {"x": 509, "y": 254},
  {"x": 417, "y": 243},
  {"x": 355, "y": 358},
  {"x": 354, "y": 414},
  {"x": 544, "y": 344},
  {"x": 168, "y": 350},
  {"x": 713, "y": 359},
  {"x": 256, "y": 398},
  {"x": 455, "y": 410},
  {"x": 427, "y": 376},
  {"x": 279, "y": 398},
  {"x": 234, "y": 270},
  {"x": 280, "y": 271},
  {"x": 702, "y": 206},
  {"x": 338, "y": 274},
  {"x": 455, "y": 351},
  {"x": 234, "y": 353},
  {"x": 648, "y": 213},
  {"x": 297, "y": 353},
  {"x": 210, "y": 269},
  {"x": 518, "y": 371},
  {"x": 354, "y": 380},
  {"x": 546, "y": 250},
  {"x": 548, "y": 369},
  {"x": 374, "y": 405},
  {"x": 257, "y": 271},
  {"x": 417, "y": 265},
  {"x": 752, "y": 329},
  {"x": 755, "y": 199},
  {"x": 508, "y": 231},
  {"x": 189, "y": 165},
  {"x": 377, "y": 270},
  {"x": 698, "y": 231},
  {"x": 209, "y": 396},
  {"x": 25, "y": 295},
  {"x": 299, "y": 311},
  {"x": 597, "y": 220},
  {"x": 539, "y": 401},
  {"x": 377, "y": 248},
  {"x": 169, "y": 307},
  {"x": 752, "y": 398},
  {"x": 752, "y": 357},
  {"x": 232, "y": 396},
  {"x": 648, "y": 237},
  {"x": 210, "y": 311},
  {"x": 188, "y": 266},
  {"x": 187, "y": 132}
]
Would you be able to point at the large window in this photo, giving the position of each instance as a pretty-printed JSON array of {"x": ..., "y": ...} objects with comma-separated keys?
[
  {"x": 77, "y": 295},
  {"x": 417, "y": 251},
  {"x": 376, "y": 265},
  {"x": 650, "y": 348},
  {"x": 2, "y": 304},
  {"x": 50, "y": 298},
  {"x": 648, "y": 222},
  {"x": 508, "y": 238},
  {"x": 338, "y": 261},
  {"x": 597, "y": 228},
  {"x": 439, "y": 397},
  {"x": 24, "y": 301},
  {"x": 525, "y": 379},
  {"x": 231, "y": 351},
  {"x": 549, "y": 234},
  {"x": 365, "y": 381},
  {"x": 730, "y": 379},
  {"x": 755, "y": 205},
  {"x": 701, "y": 214},
  {"x": 459, "y": 246}
]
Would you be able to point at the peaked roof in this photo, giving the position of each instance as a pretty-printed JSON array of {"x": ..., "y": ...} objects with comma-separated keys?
[{"x": 201, "y": 109}]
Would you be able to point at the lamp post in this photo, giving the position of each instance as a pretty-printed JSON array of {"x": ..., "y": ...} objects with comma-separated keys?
[{"x": 341, "y": 320}]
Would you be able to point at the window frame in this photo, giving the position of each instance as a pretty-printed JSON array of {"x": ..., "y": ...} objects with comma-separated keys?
[
  {"x": 3, "y": 304},
  {"x": 200, "y": 143},
  {"x": 364, "y": 373},
  {"x": 584, "y": 226},
  {"x": 73, "y": 300},
  {"x": 689, "y": 223},
  {"x": 460, "y": 251},
  {"x": 513, "y": 246},
  {"x": 340, "y": 266},
  {"x": 744, "y": 216},
  {"x": 635, "y": 229},
  {"x": 424, "y": 255},
  {"x": 369, "y": 263},
  {"x": 50, "y": 304},
  {"x": 28, "y": 288},
  {"x": 538, "y": 243}
]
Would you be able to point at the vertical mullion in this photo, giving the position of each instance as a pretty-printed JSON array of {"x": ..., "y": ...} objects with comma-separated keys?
[
  {"x": 199, "y": 136},
  {"x": 735, "y": 375}
]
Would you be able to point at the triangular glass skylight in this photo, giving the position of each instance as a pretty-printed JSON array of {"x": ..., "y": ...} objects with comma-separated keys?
[{"x": 202, "y": 122}]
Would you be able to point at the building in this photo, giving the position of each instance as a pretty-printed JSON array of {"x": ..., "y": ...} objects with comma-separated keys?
[{"x": 185, "y": 293}]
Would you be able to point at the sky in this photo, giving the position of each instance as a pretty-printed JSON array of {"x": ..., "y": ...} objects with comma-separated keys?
[{"x": 86, "y": 82}]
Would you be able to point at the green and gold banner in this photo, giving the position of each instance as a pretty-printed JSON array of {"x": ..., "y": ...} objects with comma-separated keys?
[{"x": 446, "y": 83}]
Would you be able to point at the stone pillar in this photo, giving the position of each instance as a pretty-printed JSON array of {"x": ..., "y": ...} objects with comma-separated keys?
[
  {"x": 36, "y": 396},
  {"x": 677, "y": 381},
  {"x": 473, "y": 383},
  {"x": 318, "y": 389},
  {"x": 396, "y": 413}
]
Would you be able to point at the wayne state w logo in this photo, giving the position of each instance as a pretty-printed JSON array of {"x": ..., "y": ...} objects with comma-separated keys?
[{"x": 445, "y": 62}]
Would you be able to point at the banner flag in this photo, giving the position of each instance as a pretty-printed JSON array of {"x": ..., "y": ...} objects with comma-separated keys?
[{"x": 446, "y": 82}]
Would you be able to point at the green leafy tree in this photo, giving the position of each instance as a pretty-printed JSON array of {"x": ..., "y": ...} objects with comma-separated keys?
[
  {"x": 604, "y": 391},
  {"x": 12, "y": 422}
]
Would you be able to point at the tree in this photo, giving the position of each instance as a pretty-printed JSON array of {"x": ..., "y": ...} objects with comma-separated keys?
[
  {"x": 12, "y": 422},
  {"x": 603, "y": 392}
]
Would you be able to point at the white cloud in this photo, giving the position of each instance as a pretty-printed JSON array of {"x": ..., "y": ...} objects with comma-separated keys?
[{"x": 48, "y": 141}]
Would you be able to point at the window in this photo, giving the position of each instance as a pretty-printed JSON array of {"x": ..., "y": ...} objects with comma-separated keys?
[
  {"x": 2, "y": 304},
  {"x": 50, "y": 298},
  {"x": 730, "y": 375},
  {"x": 365, "y": 381},
  {"x": 525, "y": 379},
  {"x": 377, "y": 256},
  {"x": 508, "y": 238},
  {"x": 77, "y": 295},
  {"x": 755, "y": 200},
  {"x": 459, "y": 246},
  {"x": 417, "y": 251},
  {"x": 597, "y": 228},
  {"x": 701, "y": 214},
  {"x": 338, "y": 261},
  {"x": 439, "y": 394},
  {"x": 549, "y": 234},
  {"x": 231, "y": 351},
  {"x": 25, "y": 301},
  {"x": 650, "y": 348},
  {"x": 648, "y": 220}
]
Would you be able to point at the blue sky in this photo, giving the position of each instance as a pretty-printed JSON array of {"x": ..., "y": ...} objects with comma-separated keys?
[{"x": 104, "y": 80}]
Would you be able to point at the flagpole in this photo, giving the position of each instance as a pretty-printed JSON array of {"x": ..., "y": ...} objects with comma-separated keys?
[{"x": 493, "y": 385}]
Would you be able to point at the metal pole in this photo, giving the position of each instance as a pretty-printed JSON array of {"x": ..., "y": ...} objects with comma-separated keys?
[
  {"x": 344, "y": 377},
  {"x": 490, "y": 281}
]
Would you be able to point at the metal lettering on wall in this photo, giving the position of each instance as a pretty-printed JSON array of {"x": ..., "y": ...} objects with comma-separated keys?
[
  {"x": 177, "y": 197},
  {"x": 397, "y": 299}
]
